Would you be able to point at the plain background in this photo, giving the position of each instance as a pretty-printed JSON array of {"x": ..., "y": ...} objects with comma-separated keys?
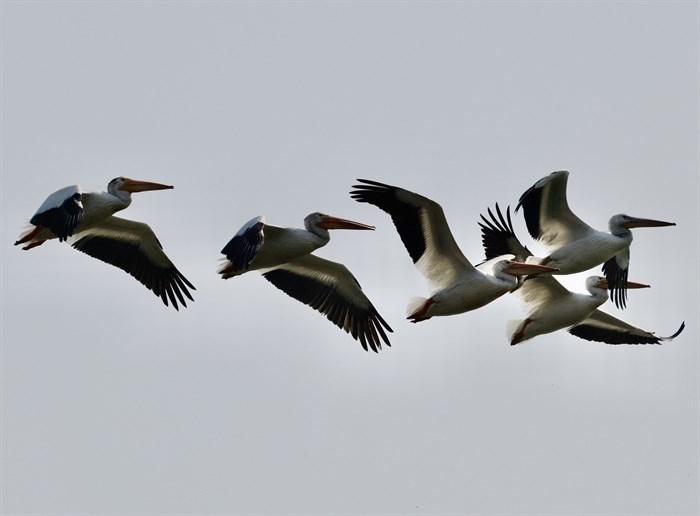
[{"x": 248, "y": 402}]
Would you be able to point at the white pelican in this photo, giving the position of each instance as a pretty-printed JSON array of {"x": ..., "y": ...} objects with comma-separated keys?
[
  {"x": 284, "y": 257},
  {"x": 87, "y": 220},
  {"x": 573, "y": 245},
  {"x": 552, "y": 307},
  {"x": 458, "y": 286}
]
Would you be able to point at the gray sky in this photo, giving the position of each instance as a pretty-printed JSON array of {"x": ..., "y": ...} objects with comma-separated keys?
[{"x": 248, "y": 402}]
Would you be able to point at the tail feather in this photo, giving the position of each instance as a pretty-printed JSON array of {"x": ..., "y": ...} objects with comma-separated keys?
[
  {"x": 417, "y": 308},
  {"x": 514, "y": 329},
  {"x": 227, "y": 270}
]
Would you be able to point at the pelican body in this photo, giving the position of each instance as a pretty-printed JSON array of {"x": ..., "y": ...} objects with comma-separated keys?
[
  {"x": 87, "y": 220},
  {"x": 258, "y": 245},
  {"x": 283, "y": 255},
  {"x": 458, "y": 286},
  {"x": 573, "y": 245},
  {"x": 552, "y": 307},
  {"x": 472, "y": 289}
]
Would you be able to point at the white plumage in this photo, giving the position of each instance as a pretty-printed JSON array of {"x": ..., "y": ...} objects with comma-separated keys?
[
  {"x": 551, "y": 307},
  {"x": 457, "y": 285},
  {"x": 573, "y": 245},
  {"x": 87, "y": 220},
  {"x": 283, "y": 255}
]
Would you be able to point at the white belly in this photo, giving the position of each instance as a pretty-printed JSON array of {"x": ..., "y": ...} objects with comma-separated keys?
[
  {"x": 285, "y": 247},
  {"x": 467, "y": 294},
  {"x": 582, "y": 255}
]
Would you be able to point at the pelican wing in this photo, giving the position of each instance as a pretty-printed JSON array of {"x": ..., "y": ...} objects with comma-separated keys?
[
  {"x": 133, "y": 247},
  {"x": 498, "y": 237},
  {"x": 243, "y": 247},
  {"x": 547, "y": 213},
  {"x": 603, "y": 327},
  {"x": 616, "y": 270},
  {"x": 540, "y": 291},
  {"x": 61, "y": 212},
  {"x": 423, "y": 229},
  {"x": 330, "y": 288}
]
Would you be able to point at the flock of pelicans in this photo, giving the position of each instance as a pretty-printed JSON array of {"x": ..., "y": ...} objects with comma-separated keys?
[{"x": 284, "y": 256}]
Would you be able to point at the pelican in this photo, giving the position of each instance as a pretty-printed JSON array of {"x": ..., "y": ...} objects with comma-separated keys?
[
  {"x": 458, "y": 286},
  {"x": 552, "y": 307},
  {"x": 573, "y": 245},
  {"x": 87, "y": 220},
  {"x": 283, "y": 255}
]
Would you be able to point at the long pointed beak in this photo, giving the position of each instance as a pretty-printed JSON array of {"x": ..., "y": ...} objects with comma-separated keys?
[
  {"x": 134, "y": 185},
  {"x": 528, "y": 269},
  {"x": 329, "y": 222},
  {"x": 634, "y": 284},
  {"x": 603, "y": 283},
  {"x": 634, "y": 222}
]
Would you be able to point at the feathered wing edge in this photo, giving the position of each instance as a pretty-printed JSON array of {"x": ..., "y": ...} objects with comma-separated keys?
[
  {"x": 332, "y": 290},
  {"x": 133, "y": 247},
  {"x": 603, "y": 327}
]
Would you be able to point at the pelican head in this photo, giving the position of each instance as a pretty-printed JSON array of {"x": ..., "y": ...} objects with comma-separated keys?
[
  {"x": 325, "y": 222},
  {"x": 628, "y": 222},
  {"x": 124, "y": 187}
]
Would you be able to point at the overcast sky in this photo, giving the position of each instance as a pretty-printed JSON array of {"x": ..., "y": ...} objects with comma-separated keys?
[{"x": 247, "y": 401}]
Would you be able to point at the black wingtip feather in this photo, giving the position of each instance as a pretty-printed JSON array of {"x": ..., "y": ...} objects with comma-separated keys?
[
  {"x": 164, "y": 282},
  {"x": 593, "y": 333},
  {"x": 406, "y": 217},
  {"x": 617, "y": 281},
  {"x": 677, "y": 332},
  {"x": 498, "y": 237},
  {"x": 357, "y": 322},
  {"x": 530, "y": 202}
]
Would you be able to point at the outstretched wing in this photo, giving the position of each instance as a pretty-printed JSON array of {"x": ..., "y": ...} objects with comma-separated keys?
[
  {"x": 133, "y": 247},
  {"x": 330, "y": 288},
  {"x": 498, "y": 238},
  {"x": 547, "y": 213},
  {"x": 603, "y": 327},
  {"x": 423, "y": 229}
]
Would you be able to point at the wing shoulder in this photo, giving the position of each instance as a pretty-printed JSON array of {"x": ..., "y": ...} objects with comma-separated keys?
[{"x": 542, "y": 291}]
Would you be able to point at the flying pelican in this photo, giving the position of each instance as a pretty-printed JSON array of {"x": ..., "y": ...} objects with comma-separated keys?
[
  {"x": 458, "y": 286},
  {"x": 552, "y": 307},
  {"x": 283, "y": 255},
  {"x": 573, "y": 245},
  {"x": 87, "y": 220}
]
